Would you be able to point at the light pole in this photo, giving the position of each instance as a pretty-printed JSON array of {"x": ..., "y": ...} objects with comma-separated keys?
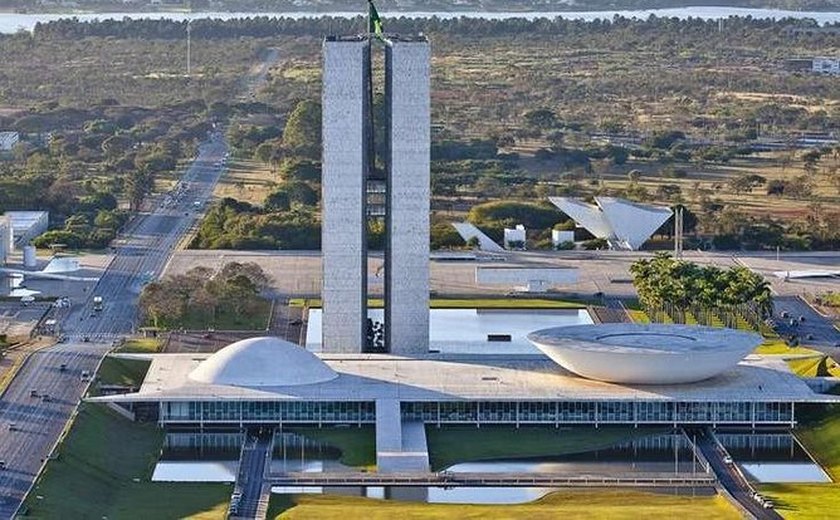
[{"x": 189, "y": 47}]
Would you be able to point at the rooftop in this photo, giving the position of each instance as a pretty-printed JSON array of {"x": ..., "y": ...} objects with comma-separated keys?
[{"x": 457, "y": 378}]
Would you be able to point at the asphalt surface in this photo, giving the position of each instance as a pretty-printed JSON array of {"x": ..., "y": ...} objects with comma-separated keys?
[
  {"x": 814, "y": 332},
  {"x": 249, "y": 481},
  {"x": 140, "y": 256},
  {"x": 29, "y": 425},
  {"x": 728, "y": 476}
]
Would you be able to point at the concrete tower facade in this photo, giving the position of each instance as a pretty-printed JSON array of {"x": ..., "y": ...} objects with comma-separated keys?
[
  {"x": 408, "y": 123},
  {"x": 345, "y": 163}
]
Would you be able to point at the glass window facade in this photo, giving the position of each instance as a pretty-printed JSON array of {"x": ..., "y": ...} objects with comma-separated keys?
[{"x": 478, "y": 412}]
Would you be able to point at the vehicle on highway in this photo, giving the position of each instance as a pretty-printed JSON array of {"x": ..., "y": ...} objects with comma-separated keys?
[
  {"x": 12, "y": 427},
  {"x": 33, "y": 393},
  {"x": 46, "y": 398},
  {"x": 768, "y": 504},
  {"x": 86, "y": 339},
  {"x": 85, "y": 376},
  {"x": 62, "y": 367},
  {"x": 2, "y": 464},
  {"x": 727, "y": 460}
]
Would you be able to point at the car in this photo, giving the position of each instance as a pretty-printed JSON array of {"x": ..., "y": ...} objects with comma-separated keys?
[
  {"x": 86, "y": 339},
  {"x": 62, "y": 367},
  {"x": 12, "y": 427},
  {"x": 2, "y": 464},
  {"x": 85, "y": 376},
  {"x": 727, "y": 460},
  {"x": 768, "y": 504},
  {"x": 33, "y": 393},
  {"x": 46, "y": 398}
]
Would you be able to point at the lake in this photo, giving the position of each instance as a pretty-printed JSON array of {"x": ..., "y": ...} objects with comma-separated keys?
[{"x": 11, "y": 22}]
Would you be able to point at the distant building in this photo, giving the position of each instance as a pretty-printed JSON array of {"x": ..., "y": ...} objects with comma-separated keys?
[
  {"x": 26, "y": 225},
  {"x": 8, "y": 140},
  {"x": 823, "y": 65},
  {"x": 515, "y": 238},
  {"x": 622, "y": 223},
  {"x": 6, "y": 239},
  {"x": 559, "y": 236}
]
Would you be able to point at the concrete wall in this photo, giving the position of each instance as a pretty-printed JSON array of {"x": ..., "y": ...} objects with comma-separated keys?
[
  {"x": 6, "y": 239},
  {"x": 345, "y": 167},
  {"x": 407, "y": 68}
]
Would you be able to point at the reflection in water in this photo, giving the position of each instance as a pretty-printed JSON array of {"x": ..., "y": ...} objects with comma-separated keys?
[
  {"x": 772, "y": 457},
  {"x": 212, "y": 457},
  {"x": 195, "y": 471}
]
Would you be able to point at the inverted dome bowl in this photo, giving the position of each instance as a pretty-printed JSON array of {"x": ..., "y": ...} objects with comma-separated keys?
[{"x": 648, "y": 354}]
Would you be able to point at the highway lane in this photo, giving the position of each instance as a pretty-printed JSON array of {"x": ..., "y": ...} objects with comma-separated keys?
[
  {"x": 814, "y": 332},
  {"x": 140, "y": 256},
  {"x": 30, "y": 425},
  {"x": 142, "y": 252}
]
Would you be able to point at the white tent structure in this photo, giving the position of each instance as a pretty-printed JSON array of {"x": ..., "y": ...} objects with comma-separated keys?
[{"x": 624, "y": 224}]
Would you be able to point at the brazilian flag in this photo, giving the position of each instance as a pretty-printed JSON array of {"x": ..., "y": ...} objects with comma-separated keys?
[{"x": 374, "y": 21}]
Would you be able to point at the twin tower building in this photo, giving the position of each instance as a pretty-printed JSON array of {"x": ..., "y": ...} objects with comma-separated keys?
[{"x": 349, "y": 178}]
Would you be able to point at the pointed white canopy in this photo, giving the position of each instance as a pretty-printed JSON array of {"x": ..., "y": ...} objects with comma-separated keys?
[
  {"x": 587, "y": 216},
  {"x": 625, "y": 224},
  {"x": 632, "y": 224}
]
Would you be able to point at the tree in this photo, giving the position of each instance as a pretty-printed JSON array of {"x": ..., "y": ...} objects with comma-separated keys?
[
  {"x": 541, "y": 119},
  {"x": 302, "y": 134}
]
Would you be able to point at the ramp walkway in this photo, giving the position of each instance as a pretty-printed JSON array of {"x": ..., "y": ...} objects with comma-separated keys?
[
  {"x": 729, "y": 476},
  {"x": 401, "y": 447},
  {"x": 252, "y": 491}
]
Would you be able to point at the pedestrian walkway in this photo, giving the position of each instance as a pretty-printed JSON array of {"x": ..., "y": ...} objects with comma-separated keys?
[
  {"x": 251, "y": 492},
  {"x": 401, "y": 447}
]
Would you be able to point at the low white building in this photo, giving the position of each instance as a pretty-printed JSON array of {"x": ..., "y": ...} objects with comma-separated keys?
[
  {"x": 26, "y": 225},
  {"x": 515, "y": 238},
  {"x": 559, "y": 236},
  {"x": 8, "y": 140},
  {"x": 824, "y": 65}
]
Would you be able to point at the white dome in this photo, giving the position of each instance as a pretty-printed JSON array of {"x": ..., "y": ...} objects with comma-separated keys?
[
  {"x": 652, "y": 354},
  {"x": 263, "y": 362}
]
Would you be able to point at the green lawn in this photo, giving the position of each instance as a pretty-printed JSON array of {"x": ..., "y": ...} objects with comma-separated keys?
[
  {"x": 93, "y": 476},
  {"x": 572, "y": 504},
  {"x": 357, "y": 445},
  {"x": 451, "y": 445},
  {"x": 227, "y": 319},
  {"x": 813, "y": 501},
  {"x": 817, "y": 366},
  {"x": 140, "y": 346},
  {"x": 476, "y": 303},
  {"x": 125, "y": 372}
]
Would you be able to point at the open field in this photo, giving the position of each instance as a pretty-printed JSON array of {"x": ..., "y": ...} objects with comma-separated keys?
[
  {"x": 452, "y": 445},
  {"x": 246, "y": 180},
  {"x": 601, "y": 504},
  {"x": 94, "y": 476}
]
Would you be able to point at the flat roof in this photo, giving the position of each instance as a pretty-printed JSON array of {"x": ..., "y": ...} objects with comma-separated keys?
[{"x": 471, "y": 378}]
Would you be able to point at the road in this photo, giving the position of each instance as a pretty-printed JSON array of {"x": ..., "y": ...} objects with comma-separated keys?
[
  {"x": 140, "y": 256},
  {"x": 37, "y": 423},
  {"x": 728, "y": 476},
  {"x": 814, "y": 332},
  {"x": 250, "y": 483}
]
